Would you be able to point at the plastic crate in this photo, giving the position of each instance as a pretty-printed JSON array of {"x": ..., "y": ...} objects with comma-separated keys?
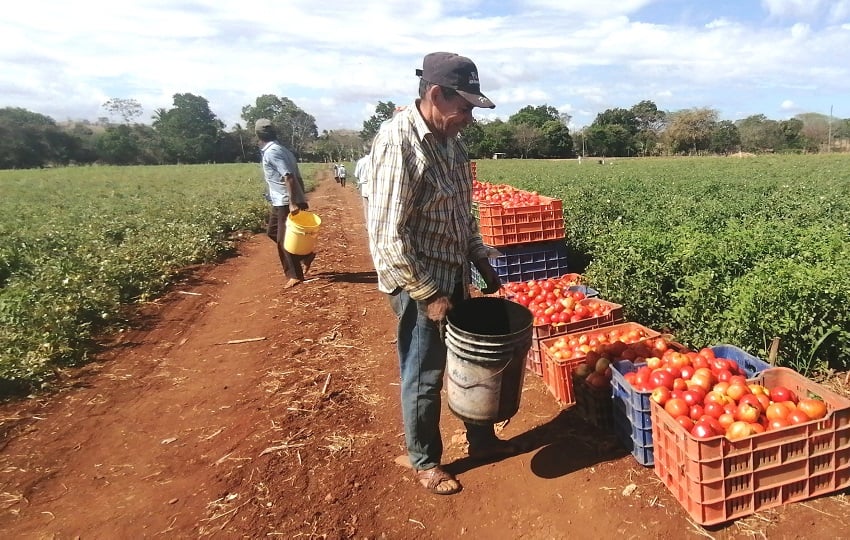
[
  {"x": 633, "y": 406},
  {"x": 589, "y": 292},
  {"x": 539, "y": 333},
  {"x": 534, "y": 360},
  {"x": 500, "y": 226},
  {"x": 558, "y": 373},
  {"x": 594, "y": 405},
  {"x": 633, "y": 429},
  {"x": 750, "y": 364},
  {"x": 717, "y": 480},
  {"x": 542, "y": 260}
]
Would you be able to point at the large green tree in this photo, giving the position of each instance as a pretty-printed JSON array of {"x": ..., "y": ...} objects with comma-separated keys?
[
  {"x": 649, "y": 122},
  {"x": 295, "y": 127},
  {"x": 690, "y": 130},
  {"x": 118, "y": 146},
  {"x": 545, "y": 132},
  {"x": 725, "y": 139},
  {"x": 759, "y": 134},
  {"x": 612, "y": 133},
  {"x": 189, "y": 131},
  {"x": 29, "y": 139}
]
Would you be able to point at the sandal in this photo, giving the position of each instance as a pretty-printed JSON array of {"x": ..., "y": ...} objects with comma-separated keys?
[{"x": 438, "y": 481}]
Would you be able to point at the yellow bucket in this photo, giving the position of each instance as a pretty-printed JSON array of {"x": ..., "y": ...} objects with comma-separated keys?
[{"x": 301, "y": 232}]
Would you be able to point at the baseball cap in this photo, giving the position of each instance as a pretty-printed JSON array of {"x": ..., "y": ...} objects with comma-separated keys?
[
  {"x": 456, "y": 72},
  {"x": 265, "y": 128}
]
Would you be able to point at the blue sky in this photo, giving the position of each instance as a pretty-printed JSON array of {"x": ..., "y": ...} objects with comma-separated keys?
[{"x": 337, "y": 59}]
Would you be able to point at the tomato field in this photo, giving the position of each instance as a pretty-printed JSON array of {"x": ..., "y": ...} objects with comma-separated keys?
[
  {"x": 77, "y": 244},
  {"x": 713, "y": 250}
]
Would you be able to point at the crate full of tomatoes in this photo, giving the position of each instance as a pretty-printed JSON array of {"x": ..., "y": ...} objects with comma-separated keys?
[
  {"x": 559, "y": 306},
  {"x": 760, "y": 443},
  {"x": 667, "y": 370},
  {"x": 597, "y": 348},
  {"x": 510, "y": 216}
]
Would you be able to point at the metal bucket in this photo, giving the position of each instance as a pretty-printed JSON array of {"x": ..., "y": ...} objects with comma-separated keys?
[{"x": 487, "y": 340}]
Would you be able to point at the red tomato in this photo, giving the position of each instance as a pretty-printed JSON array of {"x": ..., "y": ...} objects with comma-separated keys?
[
  {"x": 703, "y": 430},
  {"x": 676, "y": 407},
  {"x": 797, "y": 417},
  {"x": 781, "y": 393},
  {"x": 815, "y": 409},
  {"x": 685, "y": 421}
]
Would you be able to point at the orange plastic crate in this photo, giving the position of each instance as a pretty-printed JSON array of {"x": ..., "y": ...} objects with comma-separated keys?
[
  {"x": 717, "y": 480},
  {"x": 539, "y": 333},
  {"x": 558, "y": 373},
  {"x": 502, "y": 226}
]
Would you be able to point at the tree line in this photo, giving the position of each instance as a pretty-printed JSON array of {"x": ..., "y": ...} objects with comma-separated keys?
[{"x": 190, "y": 132}]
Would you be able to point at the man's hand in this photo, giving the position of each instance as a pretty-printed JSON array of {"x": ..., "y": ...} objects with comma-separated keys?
[
  {"x": 293, "y": 208},
  {"x": 491, "y": 277},
  {"x": 438, "y": 306}
]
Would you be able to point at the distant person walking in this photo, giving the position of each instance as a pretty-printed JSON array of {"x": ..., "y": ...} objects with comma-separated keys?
[
  {"x": 286, "y": 194},
  {"x": 336, "y": 173},
  {"x": 361, "y": 172},
  {"x": 341, "y": 172}
]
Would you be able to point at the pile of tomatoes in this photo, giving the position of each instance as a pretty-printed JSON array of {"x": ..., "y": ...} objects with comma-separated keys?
[
  {"x": 711, "y": 396},
  {"x": 552, "y": 303},
  {"x": 504, "y": 195}
]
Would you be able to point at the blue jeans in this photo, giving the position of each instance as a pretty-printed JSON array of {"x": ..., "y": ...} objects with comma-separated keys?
[{"x": 422, "y": 361}]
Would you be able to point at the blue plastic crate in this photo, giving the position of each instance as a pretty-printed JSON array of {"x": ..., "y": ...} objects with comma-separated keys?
[
  {"x": 627, "y": 430},
  {"x": 750, "y": 364},
  {"x": 540, "y": 260},
  {"x": 589, "y": 292}
]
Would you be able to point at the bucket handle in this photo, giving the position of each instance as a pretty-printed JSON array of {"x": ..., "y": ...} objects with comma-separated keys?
[{"x": 479, "y": 381}]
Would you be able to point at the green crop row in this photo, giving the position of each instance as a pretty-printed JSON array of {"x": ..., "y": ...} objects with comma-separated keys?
[
  {"x": 715, "y": 250},
  {"x": 77, "y": 244}
]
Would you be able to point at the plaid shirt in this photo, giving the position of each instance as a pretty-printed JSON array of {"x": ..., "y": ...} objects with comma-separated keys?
[{"x": 422, "y": 234}]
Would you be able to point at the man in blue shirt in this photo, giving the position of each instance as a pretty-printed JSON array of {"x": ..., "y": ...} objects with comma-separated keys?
[{"x": 286, "y": 194}]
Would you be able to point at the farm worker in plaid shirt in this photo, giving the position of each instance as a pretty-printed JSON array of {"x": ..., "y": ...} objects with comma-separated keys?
[{"x": 422, "y": 237}]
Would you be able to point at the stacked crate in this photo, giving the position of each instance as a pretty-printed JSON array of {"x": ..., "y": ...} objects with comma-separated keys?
[{"x": 530, "y": 240}]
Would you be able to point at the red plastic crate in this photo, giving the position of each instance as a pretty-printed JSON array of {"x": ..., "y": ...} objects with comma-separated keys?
[
  {"x": 539, "y": 333},
  {"x": 717, "y": 480},
  {"x": 502, "y": 226},
  {"x": 558, "y": 373}
]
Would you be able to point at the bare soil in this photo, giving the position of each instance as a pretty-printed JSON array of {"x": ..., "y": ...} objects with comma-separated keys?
[{"x": 239, "y": 409}]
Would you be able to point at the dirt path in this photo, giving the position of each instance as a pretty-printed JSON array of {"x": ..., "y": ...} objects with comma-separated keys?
[{"x": 290, "y": 429}]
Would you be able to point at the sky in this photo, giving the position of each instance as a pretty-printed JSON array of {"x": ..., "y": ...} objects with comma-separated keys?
[{"x": 336, "y": 59}]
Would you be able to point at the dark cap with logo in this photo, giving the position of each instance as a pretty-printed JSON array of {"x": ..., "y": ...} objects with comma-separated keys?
[{"x": 456, "y": 72}]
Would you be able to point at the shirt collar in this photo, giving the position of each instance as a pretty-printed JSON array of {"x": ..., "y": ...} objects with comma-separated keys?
[
  {"x": 422, "y": 129},
  {"x": 266, "y": 146}
]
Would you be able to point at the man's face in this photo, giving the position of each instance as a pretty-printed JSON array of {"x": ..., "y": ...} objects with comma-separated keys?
[{"x": 453, "y": 113}]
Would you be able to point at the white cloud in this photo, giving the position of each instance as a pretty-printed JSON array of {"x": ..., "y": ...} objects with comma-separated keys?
[
  {"x": 787, "y": 105},
  {"x": 800, "y": 31},
  {"x": 839, "y": 10},
  {"x": 336, "y": 59},
  {"x": 792, "y": 8}
]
